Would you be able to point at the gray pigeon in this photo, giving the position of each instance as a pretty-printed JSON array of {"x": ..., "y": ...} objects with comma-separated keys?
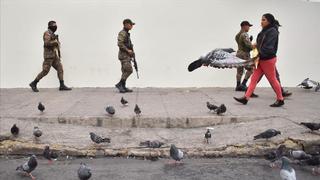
[
  {"x": 309, "y": 84},
  {"x": 211, "y": 107},
  {"x": 176, "y": 153},
  {"x": 137, "y": 110},
  {"x": 37, "y": 132},
  {"x": 313, "y": 161},
  {"x": 84, "y": 172},
  {"x": 41, "y": 107},
  {"x": 110, "y": 110},
  {"x": 267, "y": 134},
  {"x": 221, "y": 109},
  {"x": 29, "y": 166},
  {"x": 97, "y": 139},
  {"x": 220, "y": 58},
  {"x": 14, "y": 130},
  {"x": 207, "y": 136},
  {"x": 123, "y": 101},
  {"x": 276, "y": 154},
  {"x": 299, "y": 155},
  {"x": 287, "y": 172},
  {"x": 311, "y": 126},
  {"x": 48, "y": 154},
  {"x": 152, "y": 144}
]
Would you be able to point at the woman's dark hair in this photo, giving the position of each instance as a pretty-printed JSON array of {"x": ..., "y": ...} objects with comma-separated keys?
[{"x": 272, "y": 20}]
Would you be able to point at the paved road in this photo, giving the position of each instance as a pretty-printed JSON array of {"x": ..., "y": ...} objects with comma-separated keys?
[{"x": 118, "y": 168}]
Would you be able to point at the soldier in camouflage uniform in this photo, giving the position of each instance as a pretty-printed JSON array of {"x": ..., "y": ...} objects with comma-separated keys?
[
  {"x": 51, "y": 57},
  {"x": 125, "y": 55},
  {"x": 244, "y": 48}
]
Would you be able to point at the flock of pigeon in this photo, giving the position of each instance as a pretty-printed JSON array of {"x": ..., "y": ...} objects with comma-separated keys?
[
  {"x": 111, "y": 110},
  {"x": 281, "y": 153}
]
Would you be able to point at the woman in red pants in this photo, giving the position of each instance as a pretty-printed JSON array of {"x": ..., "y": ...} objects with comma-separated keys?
[{"x": 267, "y": 45}]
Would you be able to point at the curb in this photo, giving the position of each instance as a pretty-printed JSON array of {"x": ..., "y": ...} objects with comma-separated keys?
[{"x": 11, "y": 147}]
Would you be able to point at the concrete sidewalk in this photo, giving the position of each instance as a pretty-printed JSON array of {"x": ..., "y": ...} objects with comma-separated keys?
[
  {"x": 170, "y": 107},
  {"x": 171, "y": 115}
]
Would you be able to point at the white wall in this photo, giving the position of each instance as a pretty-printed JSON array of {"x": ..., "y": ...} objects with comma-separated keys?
[{"x": 168, "y": 35}]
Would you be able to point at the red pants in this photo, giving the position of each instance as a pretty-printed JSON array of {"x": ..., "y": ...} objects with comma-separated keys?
[{"x": 267, "y": 68}]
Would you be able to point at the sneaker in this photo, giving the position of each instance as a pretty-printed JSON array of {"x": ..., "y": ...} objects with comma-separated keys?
[
  {"x": 253, "y": 95},
  {"x": 286, "y": 93},
  {"x": 242, "y": 100},
  {"x": 278, "y": 103}
]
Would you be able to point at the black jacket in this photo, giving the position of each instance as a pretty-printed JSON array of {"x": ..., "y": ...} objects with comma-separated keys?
[{"x": 267, "y": 43}]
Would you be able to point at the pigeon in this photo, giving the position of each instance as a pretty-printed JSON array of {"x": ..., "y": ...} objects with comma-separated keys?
[
  {"x": 211, "y": 107},
  {"x": 221, "y": 109},
  {"x": 313, "y": 161},
  {"x": 276, "y": 154},
  {"x": 176, "y": 153},
  {"x": 37, "y": 132},
  {"x": 123, "y": 101},
  {"x": 207, "y": 136},
  {"x": 110, "y": 110},
  {"x": 287, "y": 172},
  {"x": 267, "y": 134},
  {"x": 309, "y": 84},
  {"x": 29, "y": 166},
  {"x": 299, "y": 155},
  {"x": 48, "y": 154},
  {"x": 14, "y": 130},
  {"x": 41, "y": 107},
  {"x": 84, "y": 172},
  {"x": 152, "y": 144},
  {"x": 220, "y": 58},
  {"x": 311, "y": 126},
  {"x": 137, "y": 110},
  {"x": 97, "y": 139}
]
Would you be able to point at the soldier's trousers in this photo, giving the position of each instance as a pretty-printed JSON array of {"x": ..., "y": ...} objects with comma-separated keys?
[
  {"x": 126, "y": 68},
  {"x": 47, "y": 63},
  {"x": 240, "y": 71}
]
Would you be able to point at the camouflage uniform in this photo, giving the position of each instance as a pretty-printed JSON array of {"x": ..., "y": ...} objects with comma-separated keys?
[
  {"x": 244, "y": 48},
  {"x": 124, "y": 43},
  {"x": 51, "y": 55}
]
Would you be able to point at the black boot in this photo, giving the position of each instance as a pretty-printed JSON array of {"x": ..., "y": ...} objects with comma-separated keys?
[
  {"x": 244, "y": 82},
  {"x": 63, "y": 87},
  {"x": 241, "y": 87},
  {"x": 120, "y": 86},
  {"x": 33, "y": 86},
  {"x": 238, "y": 84},
  {"x": 278, "y": 103},
  {"x": 242, "y": 100},
  {"x": 126, "y": 89}
]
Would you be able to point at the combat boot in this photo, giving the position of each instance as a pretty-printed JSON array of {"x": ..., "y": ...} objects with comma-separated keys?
[
  {"x": 241, "y": 87},
  {"x": 126, "y": 89},
  {"x": 63, "y": 87},
  {"x": 120, "y": 86},
  {"x": 33, "y": 86}
]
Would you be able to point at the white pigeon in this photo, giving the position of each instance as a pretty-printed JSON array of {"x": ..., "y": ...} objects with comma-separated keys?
[{"x": 287, "y": 172}]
